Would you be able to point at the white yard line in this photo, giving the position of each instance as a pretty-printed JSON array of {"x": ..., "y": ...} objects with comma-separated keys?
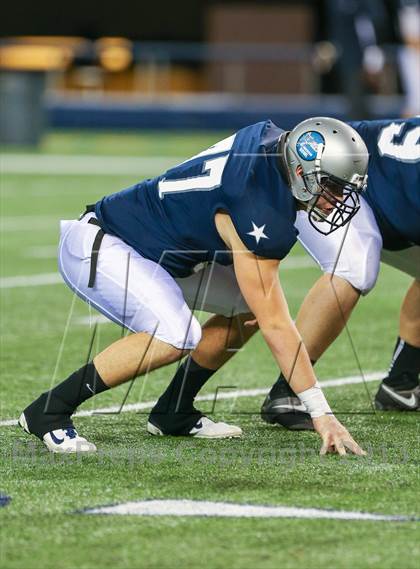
[
  {"x": 222, "y": 394},
  {"x": 229, "y": 510},
  {"x": 85, "y": 165}
]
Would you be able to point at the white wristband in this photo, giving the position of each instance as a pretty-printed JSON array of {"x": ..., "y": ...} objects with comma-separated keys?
[{"x": 315, "y": 402}]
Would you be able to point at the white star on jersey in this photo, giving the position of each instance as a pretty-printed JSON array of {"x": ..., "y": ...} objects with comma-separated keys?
[{"x": 258, "y": 232}]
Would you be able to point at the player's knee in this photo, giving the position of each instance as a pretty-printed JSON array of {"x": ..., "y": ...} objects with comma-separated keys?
[
  {"x": 183, "y": 334},
  {"x": 185, "y": 337},
  {"x": 180, "y": 330}
]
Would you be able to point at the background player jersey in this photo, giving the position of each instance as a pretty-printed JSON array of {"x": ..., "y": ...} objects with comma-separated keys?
[
  {"x": 393, "y": 189},
  {"x": 170, "y": 219}
]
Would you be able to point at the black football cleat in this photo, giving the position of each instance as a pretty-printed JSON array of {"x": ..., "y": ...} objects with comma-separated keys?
[
  {"x": 401, "y": 393},
  {"x": 283, "y": 407}
]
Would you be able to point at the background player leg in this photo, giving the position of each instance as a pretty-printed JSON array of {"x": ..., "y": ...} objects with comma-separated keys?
[
  {"x": 400, "y": 389},
  {"x": 174, "y": 413},
  {"x": 222, "y": 338},
  {"x": 410, "y": 315},
  {"x": 324, "y": 313}
]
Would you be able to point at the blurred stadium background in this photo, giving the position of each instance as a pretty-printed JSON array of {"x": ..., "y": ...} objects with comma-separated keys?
[{"x": 204, "y": 64}]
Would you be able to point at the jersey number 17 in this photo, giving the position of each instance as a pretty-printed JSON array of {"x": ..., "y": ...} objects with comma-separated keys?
[{"x": 210, "y": 179}]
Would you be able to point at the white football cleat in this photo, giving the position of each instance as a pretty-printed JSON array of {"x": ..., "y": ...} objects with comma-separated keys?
[
  {"x": 67, "y": 441},
  {"x": 62, "y": 440},
  {"x": 205, "y": 428}
]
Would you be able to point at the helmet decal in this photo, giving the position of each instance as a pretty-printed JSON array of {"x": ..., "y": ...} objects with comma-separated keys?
[{"x": 307, "y": 144}]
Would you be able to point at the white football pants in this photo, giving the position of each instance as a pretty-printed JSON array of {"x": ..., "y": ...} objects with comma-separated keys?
[
  {"x": 140, "y": 294},
  {"x": 354, "y": 252}
]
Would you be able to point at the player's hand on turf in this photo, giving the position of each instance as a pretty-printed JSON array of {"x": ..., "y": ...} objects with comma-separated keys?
[{"x": 335, "y": 437}]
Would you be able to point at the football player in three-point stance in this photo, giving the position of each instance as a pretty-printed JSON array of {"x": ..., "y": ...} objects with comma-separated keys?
[
  {"x": 386, "y": 227},
  {"x": 209, "y": 234}
]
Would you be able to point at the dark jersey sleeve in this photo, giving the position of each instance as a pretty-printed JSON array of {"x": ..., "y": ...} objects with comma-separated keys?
[{"x": 261, "y": 204}]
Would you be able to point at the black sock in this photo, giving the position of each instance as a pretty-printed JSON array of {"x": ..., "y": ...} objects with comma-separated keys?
[
  {"x": 53, "y": 409},
  {"x": 405, "y": 366},
  {"x": 282, "y": 388},
  {"x": 174, "y": 413}
]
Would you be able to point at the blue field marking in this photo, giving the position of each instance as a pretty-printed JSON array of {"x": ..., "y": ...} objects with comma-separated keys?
[{"x": 4, "y": 500}]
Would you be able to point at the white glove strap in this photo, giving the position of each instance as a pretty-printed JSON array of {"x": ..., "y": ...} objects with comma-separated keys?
[{"x": 315, "y": 402}]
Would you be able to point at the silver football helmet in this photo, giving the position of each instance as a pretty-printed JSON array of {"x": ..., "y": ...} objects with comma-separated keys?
[{"x": 326, "y": 158}]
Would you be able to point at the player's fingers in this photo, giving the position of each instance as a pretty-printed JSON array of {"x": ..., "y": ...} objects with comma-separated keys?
[
  {"x": 341, "y": 449},
  {"x": 339, "y": 446},
  {"x": 354, "y": 447},
  {"x": 326, "y": 444}
]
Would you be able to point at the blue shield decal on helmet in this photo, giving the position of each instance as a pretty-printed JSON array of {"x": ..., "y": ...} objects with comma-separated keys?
[{"x": 307, "y": 144}]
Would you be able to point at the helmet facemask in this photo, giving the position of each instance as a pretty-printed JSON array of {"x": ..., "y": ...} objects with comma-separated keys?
[{"x": 343, "y": 196}]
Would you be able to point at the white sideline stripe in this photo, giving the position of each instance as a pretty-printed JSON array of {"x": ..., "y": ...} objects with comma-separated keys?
[
  {"x": 294, "y": 263},
  {"x": 223, "y": 394},
  {"x": 29, "y": 223},
  {"x": 41, "y": 252},
  {"x": 31, "y": 280},
  {"x": 85, "y": 165},
  {"x": 226, "y": 510}
]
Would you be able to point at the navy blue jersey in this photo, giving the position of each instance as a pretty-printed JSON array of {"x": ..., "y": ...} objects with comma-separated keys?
[
  {"x": 170, "y": 219},
  {"x": 393, "y": 190}
]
